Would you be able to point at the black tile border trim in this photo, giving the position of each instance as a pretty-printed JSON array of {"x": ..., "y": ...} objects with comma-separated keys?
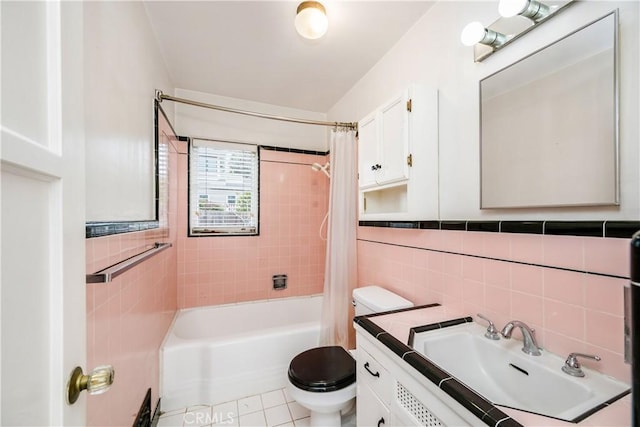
[
  {"x": 369, "y": 326},
  {"x": 430, "y": 371},
  {"x": 400, "y": 310},
  {"x": 476, "y": 404},
  {"x": 453, "y": 225},
  {"x": 395, "y": 345},
  {"x": 567, "y": 228},
  {"x": 473, "y": 402},
  {"x": 101, "y": 229},
  {"x": 486, "y": 226},
  {"x": 428, "y": 225},
  {"x": 584, "y": 415},
  {"x": 488, "y": 413},
  {"x": 294, "y": 150},
  {"x": 599, "y": 407},
  {"x": 610, "y": 229},
  {"x": 621, "y": 229},
  {"x": 526, "y": 227},
  {"x": 433, "y": 326}
]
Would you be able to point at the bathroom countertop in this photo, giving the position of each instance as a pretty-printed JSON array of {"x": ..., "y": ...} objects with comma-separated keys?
[{"x": 398, "y": 324}]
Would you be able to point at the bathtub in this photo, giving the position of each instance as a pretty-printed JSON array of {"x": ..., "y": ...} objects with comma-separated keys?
[{"x": 220, "y": 353}]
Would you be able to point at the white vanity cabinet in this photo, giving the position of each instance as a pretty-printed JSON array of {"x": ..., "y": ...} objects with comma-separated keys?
[
  {"x": 398, "y": 158},
  {"x": 374, "y": 391},
  {"x": 392, "y": 393}
]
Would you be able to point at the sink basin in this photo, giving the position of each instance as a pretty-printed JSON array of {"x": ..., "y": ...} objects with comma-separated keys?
[{"x": 504, "y": 375}]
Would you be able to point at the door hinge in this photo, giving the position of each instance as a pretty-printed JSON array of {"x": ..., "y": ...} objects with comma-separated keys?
[
  {"x": 410, "y": 160},
  {"x": 409, "y": 105}
]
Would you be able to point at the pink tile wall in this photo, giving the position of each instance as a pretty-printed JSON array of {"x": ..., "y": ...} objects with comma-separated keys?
[
  {"x": 293, "y": 203},
  {"x": 490, "y": 273},
  {"x": 128, "y": 318}
]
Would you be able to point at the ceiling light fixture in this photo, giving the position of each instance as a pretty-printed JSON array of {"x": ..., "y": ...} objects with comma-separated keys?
[
  {"x": 531, "y": 9},
  {"x": 311, "y": 20},
  {"x": 475, "y": 32}
]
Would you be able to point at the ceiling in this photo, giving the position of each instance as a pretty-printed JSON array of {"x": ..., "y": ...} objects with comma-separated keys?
[{"x": 250, "y": 49}]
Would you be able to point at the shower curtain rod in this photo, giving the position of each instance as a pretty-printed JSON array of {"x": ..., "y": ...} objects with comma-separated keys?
[{"x": 161, "y": 97}]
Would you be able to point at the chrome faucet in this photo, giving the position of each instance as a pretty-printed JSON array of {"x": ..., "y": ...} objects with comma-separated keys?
[
  {"x": 492, "y": 333},
  {"x": 528, "y": 337},
  {"x": 572, "y": 366}
]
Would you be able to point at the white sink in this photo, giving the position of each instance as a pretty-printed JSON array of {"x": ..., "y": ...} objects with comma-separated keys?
[{"x": 504, "y": 375}]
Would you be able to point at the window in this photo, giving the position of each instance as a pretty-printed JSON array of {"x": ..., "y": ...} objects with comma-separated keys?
[{"x": 223, "y": 188}]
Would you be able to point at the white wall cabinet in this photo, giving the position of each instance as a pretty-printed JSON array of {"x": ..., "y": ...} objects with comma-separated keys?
[
  {"x": 384, "y": 143},
  {"x": 398, "y": 158}
]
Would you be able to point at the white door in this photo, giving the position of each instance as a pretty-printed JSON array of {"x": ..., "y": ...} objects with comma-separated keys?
[{"x": 42, "y": 285}]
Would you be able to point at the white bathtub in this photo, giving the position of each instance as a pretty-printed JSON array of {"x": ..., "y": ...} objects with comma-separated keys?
[{"x": 220, "y": 353}]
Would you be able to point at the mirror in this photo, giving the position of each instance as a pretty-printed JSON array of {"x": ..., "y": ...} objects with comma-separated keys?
[{"x": 549, "y": 125}]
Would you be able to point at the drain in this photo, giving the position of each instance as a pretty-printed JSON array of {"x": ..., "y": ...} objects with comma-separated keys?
[{"x": 518, "y": 368}]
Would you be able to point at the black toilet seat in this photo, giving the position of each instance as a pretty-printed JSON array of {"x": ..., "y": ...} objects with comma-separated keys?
[{"x": 323, "y": 369}]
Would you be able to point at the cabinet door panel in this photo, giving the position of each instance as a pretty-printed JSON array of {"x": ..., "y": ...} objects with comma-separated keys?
[
  {"x": 372, "y": 373},
  {"x": 394, "y": 141},
  {"x": 367, "y": 151},
  {"x": 370, "y": 410}
]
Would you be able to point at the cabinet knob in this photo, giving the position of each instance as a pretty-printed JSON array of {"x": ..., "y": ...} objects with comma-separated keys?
[{"x": 376, "y": 167}]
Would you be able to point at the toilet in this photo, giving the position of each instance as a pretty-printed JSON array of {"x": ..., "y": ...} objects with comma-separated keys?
[{"x": 323, "y": 379}]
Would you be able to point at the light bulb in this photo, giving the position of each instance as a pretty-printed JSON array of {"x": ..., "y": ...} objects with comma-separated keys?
[
  {"x": 473, "y": 33},
  {"x": 531, "y": 9},
  {"x": 311, "y": 20},
  {"x": 509, "y": 8}
]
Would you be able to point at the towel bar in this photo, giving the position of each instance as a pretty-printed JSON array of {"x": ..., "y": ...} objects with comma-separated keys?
[{"x": 110, "y": 273}]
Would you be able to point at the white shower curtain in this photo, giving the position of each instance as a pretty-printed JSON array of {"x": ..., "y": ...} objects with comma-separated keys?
[{"x": 340, "y": 268}]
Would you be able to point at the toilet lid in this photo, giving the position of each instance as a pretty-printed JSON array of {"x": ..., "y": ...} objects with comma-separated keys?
[{"x": 323, "y": 369}]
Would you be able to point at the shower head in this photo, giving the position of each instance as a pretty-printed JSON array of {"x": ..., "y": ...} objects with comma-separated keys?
[{"x": 317, "y": 167}]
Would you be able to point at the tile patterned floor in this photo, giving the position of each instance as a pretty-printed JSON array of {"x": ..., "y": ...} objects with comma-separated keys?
[{"x": 275, "y": 408}]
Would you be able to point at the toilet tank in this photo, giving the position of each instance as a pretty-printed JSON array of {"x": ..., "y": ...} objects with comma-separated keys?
[{"x": 374, "y": 299}]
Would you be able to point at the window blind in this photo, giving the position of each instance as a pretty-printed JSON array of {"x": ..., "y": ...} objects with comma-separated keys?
[{"x": 223, "y": 179}]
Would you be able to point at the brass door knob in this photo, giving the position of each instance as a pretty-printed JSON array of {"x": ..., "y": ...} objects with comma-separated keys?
[{"x": 98, "y": 381}]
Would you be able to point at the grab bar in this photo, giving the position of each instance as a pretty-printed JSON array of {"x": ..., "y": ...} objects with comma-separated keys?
[{"x": 110, "y": 273}]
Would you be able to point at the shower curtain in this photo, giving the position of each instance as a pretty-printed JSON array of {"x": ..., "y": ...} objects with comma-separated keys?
[{"x": 340, "y": 268}]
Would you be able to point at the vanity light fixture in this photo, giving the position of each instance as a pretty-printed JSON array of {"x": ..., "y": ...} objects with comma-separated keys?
[
  {"x": 531, "y": 9},
  {"x": 311, "y": 20},
  {"x": 475, "y": 32},
  {"x": 510, "y": 26}
]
